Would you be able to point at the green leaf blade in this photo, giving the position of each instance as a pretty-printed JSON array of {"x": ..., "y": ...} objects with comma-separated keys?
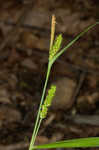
[
  {"x": 75, "y": 143},
  {"x": 73, "y": 41}
]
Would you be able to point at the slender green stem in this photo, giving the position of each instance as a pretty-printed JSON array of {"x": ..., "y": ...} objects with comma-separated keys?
[
  {"x": 37, "y": 129},
  {"x": 38, "y": 120},
  {"x": 38, "y": 115}
]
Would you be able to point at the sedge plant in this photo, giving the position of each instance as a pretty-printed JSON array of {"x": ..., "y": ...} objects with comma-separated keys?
[{"x": 45, "y": 103}]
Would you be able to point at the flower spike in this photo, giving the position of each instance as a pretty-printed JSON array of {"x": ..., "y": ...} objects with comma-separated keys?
[
  {"x": 48, "y": 101},
  {"x": 56, "y": 46}
]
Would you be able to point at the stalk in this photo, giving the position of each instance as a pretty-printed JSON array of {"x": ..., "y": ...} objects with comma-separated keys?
[
  {"x": 38, "y": 121},
  {"x": 36, "y": 132}
]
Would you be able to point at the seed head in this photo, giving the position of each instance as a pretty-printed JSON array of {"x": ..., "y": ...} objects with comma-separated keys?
[
  {"x": 48, "y": 101},
  {"x": 56, "y": 46}
]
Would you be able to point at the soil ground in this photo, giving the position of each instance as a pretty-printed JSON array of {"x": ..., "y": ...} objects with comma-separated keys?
[{"x": 24, "y": 45}]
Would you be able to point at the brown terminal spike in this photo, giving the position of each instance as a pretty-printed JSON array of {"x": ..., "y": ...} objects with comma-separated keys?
[{"x": 52, "y": 30}]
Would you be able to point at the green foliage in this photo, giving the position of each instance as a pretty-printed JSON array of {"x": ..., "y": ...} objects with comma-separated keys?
[
  {"x": 75, "y": 143},
  {"x": 54, "y": 53}
]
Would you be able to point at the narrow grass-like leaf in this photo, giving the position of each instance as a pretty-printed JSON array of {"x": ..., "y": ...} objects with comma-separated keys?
[
  {"x": 74, "y": 143},
  {"x": 72, "y": 42}
]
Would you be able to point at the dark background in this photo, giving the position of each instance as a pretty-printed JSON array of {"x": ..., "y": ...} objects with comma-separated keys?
[{"x": 24, "y": 45}]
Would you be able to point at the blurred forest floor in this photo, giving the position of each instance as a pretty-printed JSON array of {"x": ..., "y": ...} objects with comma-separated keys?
[{"x": 24, "y": 46}]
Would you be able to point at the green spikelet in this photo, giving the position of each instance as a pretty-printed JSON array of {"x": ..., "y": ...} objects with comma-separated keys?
[
  {"x": 48, "y": 101},
  {"x": 56, "y": 46},
  {"x": 43, "y": 112},
  {"x": 50, "y": 96}
]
